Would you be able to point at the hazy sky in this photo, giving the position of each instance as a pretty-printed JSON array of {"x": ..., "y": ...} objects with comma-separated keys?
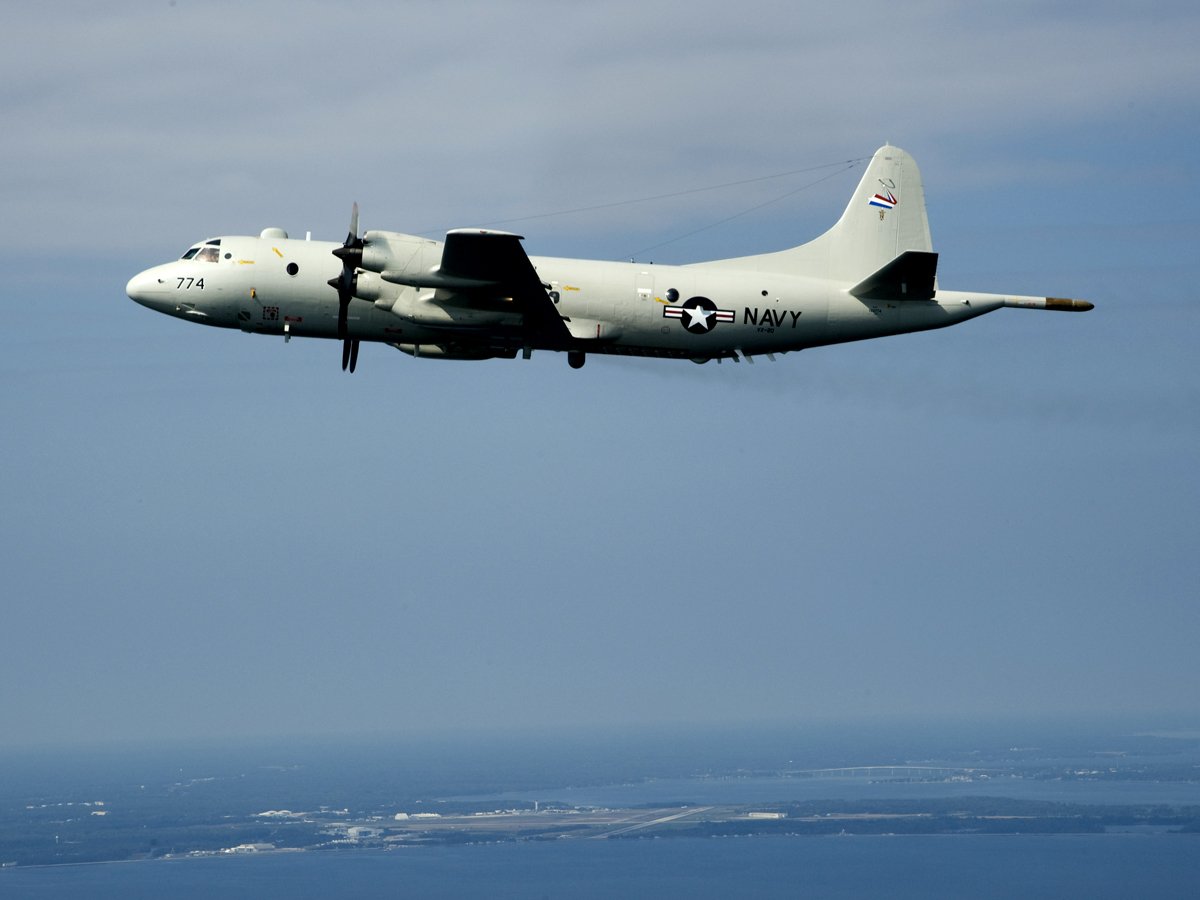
[{"x": 209, "y": 533}]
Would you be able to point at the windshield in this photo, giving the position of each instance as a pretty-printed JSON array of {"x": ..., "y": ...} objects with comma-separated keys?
[{"x": 206, "y": 252}]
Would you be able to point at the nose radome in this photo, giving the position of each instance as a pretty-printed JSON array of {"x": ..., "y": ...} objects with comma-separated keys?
[
  {"x": 143, "y": 287},
  {"x": 134, "y": 287}
]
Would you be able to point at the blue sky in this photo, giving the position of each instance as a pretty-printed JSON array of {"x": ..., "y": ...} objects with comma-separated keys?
[{"x": 209, "y": 533}]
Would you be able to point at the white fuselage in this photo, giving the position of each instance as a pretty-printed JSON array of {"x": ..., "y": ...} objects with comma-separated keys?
[
  {"x": 477, "y": 295},
  {"x": 279, "y": 286}
]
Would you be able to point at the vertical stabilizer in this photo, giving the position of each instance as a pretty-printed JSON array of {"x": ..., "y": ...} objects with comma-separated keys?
[{"x": 884, "y": 218}]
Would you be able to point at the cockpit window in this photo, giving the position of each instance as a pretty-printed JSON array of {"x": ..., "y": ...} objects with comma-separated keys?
[{"x": 206, "y": 252}]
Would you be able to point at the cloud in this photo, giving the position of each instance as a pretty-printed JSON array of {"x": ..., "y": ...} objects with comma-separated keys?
[{"x": 190, "y": 118}]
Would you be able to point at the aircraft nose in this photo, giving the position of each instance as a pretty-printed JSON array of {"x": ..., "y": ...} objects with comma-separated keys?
[{"x": 146, "y": 288}]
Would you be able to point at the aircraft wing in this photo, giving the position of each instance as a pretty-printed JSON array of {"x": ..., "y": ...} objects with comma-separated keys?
[{"x": 495, "y": 261}]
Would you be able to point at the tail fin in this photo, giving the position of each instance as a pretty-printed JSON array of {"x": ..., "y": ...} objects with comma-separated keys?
[{"x": 885, "y": 217}]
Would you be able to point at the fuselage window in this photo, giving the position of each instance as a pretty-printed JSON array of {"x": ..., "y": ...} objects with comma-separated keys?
[
  {"x": 190, "y": 253},
  {"x": 208, "y": 254}
]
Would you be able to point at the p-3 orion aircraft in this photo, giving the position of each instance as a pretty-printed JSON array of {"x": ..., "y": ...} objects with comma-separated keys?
[{"x": 476, "y": 295}]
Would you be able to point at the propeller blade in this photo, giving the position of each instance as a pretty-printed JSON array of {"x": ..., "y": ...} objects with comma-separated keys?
[{"x": 350, "y": 253}]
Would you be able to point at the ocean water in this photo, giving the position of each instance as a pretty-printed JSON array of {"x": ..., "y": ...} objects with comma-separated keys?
[
  {"x": 978, "y": 866},
  {"x": 189, "y": 785}
]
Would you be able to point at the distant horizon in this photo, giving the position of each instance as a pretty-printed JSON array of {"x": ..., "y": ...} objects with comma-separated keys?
[{"x": 1166, "y": 724}]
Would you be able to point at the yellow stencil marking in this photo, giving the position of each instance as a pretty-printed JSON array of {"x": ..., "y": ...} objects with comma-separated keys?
[{"x": 277, "y": 253}]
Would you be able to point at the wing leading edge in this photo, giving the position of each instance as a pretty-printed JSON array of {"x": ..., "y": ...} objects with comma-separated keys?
[{"x": 496, "y": 262}]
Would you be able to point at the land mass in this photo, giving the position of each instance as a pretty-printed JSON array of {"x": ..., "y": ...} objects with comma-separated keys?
[{"x": 331, "y": 829}]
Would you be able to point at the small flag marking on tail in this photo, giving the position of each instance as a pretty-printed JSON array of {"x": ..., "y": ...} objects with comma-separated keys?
[{"x": 886, "y": 200}]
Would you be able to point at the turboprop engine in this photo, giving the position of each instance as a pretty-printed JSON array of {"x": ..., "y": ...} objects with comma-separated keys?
[
  {"x": 435, "y": 308},
  {"x": 403, "y": 255}
]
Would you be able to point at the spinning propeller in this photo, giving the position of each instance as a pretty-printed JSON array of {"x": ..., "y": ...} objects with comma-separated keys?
[{"x": 350, "y": 253}]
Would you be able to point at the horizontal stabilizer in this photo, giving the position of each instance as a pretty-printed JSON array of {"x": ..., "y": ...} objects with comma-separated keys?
[{"x": 910, "y": 276}]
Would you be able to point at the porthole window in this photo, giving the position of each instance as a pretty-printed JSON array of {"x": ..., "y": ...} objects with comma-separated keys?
[
  {"x": 672, "y": 295},
  {"x": 292, "y": 269},
  {"x": 229, "y": 256}
]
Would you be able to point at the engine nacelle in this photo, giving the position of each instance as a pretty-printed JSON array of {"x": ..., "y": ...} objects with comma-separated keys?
[
  {"x": 369, "y": 286},
  {"x": 391, "y": 251},
  {"x": 427, "y": 309}
]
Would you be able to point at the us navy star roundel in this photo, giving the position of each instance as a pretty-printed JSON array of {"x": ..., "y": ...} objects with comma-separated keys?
[{"x": 699, "y": 314}]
